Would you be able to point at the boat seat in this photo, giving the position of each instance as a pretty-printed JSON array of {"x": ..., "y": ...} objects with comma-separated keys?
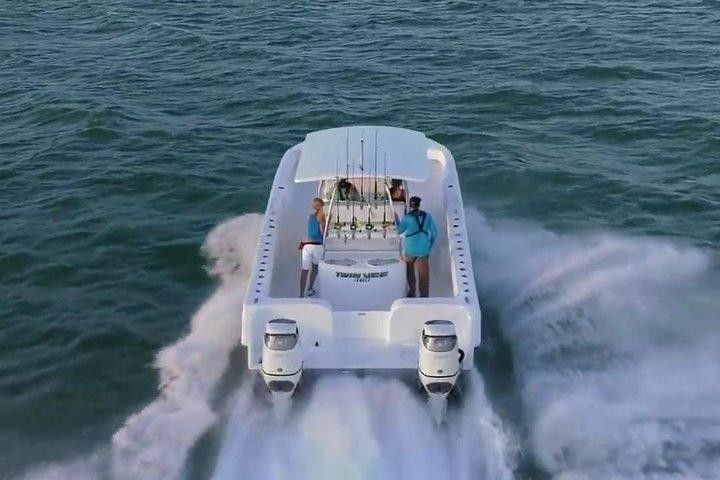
[{"x": 373, "y": 279}]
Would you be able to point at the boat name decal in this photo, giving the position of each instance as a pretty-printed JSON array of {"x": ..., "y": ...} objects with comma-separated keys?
[{"x": 361, "y": 277}]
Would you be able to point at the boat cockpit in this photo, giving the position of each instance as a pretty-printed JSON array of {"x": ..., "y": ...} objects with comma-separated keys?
[{"x": 362, "y": 245}]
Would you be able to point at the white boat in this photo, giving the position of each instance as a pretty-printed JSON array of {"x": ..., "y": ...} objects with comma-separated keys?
[{"x": 361, "y": 317}]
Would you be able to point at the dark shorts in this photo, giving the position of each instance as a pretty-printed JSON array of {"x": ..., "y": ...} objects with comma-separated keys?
[{"x": 410, "y": 258}]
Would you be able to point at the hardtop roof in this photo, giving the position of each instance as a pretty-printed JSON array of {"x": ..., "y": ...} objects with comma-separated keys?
[{"x": 336, "y": 153}]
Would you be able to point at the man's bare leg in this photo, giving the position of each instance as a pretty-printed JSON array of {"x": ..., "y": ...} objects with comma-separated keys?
[
  {"x": 313, "y": 276},
  {"x": 303, "y": 281},
  {"x": 410, "y": 276},
  {"x": 423, "y": 266}
]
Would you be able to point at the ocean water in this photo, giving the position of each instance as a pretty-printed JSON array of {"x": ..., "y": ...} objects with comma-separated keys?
[{"x": 137, "y": 144}]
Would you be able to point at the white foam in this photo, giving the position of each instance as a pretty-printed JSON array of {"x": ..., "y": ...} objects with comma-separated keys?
[
  {"x": 355, "y": 428},
  {"x": 154, "y": 443},
  {"x": 82, "y": 468},
  {"x": 615, "y": 341}
]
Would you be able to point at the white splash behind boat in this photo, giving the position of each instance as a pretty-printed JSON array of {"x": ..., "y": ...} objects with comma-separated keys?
[{"x": 360, "y": 318}]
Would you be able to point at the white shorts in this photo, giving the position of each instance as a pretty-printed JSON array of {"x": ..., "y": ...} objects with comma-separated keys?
[{"x": 311, "y": 254}]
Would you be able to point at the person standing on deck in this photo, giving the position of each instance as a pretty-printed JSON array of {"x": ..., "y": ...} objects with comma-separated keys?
[
  {"x": 312, "y": 247},
  {"x": 420, "y": 234}
]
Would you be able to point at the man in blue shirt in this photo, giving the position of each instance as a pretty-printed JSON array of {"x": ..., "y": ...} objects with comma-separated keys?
[{"x": 420, "y": 233}]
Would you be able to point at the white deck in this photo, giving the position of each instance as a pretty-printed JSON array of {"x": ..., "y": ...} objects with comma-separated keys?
[{"x": 347, "y": 335}]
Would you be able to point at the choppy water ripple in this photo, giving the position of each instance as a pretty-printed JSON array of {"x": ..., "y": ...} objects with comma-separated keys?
[{"x": 130, "y": 128}]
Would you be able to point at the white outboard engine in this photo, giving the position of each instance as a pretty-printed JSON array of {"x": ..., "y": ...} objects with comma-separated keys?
[
  {"x": 281, "y": 357},
  {"x": 440, "y": 361}
]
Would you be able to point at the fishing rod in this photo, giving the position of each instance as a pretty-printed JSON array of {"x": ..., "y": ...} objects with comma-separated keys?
[
  {"x": 376, "y": 172},
  {"x": 368, "y": 225},
  {"x": 347, "y": 167},
  {"x": 362, "y": 169},
  {"x": 385, "y": 197},
  {"x": 335, "y": 196},
  {"x": 353, "y": 225}
]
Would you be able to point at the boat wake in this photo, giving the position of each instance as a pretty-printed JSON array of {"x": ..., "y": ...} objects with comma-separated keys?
[
  {"x": 615, "y": 342},
  {"x": 359, "y": 428},
  {"x": 155, "y": 442},
  {"x": 615, "y": 347},
  {"x": 349, "y": 427}
]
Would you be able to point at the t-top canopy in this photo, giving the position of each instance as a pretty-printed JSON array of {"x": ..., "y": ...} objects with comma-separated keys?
[{"x": 336, "y": 152}]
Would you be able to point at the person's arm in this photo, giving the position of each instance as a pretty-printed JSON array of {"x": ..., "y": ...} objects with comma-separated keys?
[
  {"x": 432, "y": 229},
  {"x": 399, "y": 224},
  {"x": 321, "y": 220}
]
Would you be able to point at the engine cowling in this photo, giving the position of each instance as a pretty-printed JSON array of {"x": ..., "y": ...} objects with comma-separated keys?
[
  {"x": 440, "y": 359},
  {"x": 282, "y": 361}
]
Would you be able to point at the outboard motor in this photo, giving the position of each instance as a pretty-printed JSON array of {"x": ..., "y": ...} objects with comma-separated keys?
[
  {"x": 281, "y": 357},
  {"x": 440, "y": 362}
]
